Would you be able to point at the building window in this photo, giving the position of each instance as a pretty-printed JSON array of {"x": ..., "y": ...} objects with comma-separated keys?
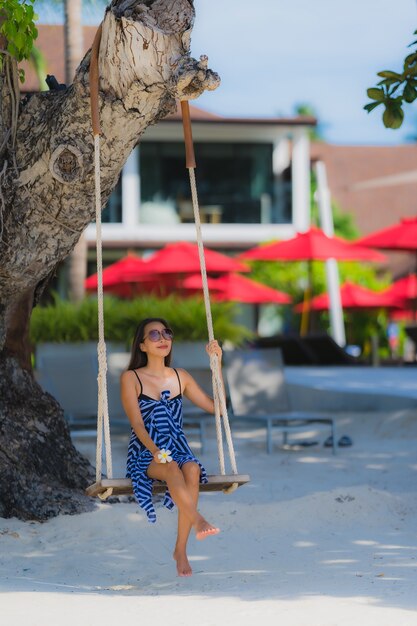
[
  {"x": 235, "y": 184},
  {"x": 112, "y": 212}
]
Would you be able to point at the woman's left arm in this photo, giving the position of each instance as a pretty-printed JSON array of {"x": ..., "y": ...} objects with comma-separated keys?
[{"x": 192, "y": 389}]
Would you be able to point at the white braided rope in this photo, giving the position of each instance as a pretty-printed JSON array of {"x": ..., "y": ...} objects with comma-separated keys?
[
  {"x": 103, "y": 421},
  {"x": 218, "y": 390}
]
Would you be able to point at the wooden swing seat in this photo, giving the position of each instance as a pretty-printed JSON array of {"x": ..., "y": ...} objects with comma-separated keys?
[{"x": 123, "y": 486}]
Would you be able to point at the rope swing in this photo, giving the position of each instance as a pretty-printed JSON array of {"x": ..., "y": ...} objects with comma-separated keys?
[{"x": 105, "y": 487}]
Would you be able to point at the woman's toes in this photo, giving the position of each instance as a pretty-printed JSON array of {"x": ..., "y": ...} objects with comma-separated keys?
[{"x": 205, "y": 531}]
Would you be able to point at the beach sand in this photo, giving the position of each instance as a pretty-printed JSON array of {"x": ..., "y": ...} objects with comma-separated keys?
[{"x": 314, "y": 539}]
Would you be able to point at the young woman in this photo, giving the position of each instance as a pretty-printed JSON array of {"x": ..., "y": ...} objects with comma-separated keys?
[{"x": 152, "y": 398}]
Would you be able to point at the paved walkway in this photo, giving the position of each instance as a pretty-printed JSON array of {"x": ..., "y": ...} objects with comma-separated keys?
[{"x": 357, "y": 387}]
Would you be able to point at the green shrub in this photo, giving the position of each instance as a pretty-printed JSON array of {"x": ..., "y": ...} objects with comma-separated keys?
[{"x": 63, "y": 321}]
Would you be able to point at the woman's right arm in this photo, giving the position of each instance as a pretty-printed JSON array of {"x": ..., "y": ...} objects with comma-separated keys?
[{"x": 129, "y": 395}]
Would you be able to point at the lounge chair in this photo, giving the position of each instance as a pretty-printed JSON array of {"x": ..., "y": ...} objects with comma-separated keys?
[
  {"x": 69, "y": 373},
  {"x": 313, "y": 349},
  {"x": 293, "y": 349},
  {"x": 327, "y": 351},
  {"x": 258, "y": 392}
]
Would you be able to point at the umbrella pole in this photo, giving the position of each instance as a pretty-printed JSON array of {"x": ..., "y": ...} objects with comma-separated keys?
[
  {"x": 306, "y": 312},
  {"x": 257, "y": 315}
]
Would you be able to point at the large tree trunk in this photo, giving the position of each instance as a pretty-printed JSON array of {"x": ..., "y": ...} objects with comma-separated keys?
[
  {"x": 73, "y": 36},
  {"x": 47, "y": 193}
]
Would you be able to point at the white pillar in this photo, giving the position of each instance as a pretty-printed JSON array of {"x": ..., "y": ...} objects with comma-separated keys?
[
  {"x": 131, "y": 190},
  {"x": 300, "y": 170},
  {"x": 332, "y": 270}
]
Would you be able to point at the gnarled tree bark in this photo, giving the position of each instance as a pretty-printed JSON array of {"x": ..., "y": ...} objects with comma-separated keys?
[{"x": 47, "y": 199}]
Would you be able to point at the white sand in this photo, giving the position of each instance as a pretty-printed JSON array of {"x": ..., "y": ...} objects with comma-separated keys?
[{"x": 313, "y": 540}]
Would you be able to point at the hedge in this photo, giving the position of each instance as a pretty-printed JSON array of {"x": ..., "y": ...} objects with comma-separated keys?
[{"x": 63, "y": 321}]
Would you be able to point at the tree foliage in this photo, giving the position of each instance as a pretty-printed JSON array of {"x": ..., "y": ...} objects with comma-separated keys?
[
  {"x": 395, "y": 89},
  {"x": 305, "y": 109},
  {"x": 17, "y": 25}
]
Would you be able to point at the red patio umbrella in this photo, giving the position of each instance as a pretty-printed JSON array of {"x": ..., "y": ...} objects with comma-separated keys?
[
  {"x": 403, "y": 294},
  {"x": 129, "y": 269},
  {"x": 400, "y": 236},
  {"x": 235, "y": 288},
  {"x": 402, "y": 315},
  {"x": 182, "y": 258},
  {"x": 353, "y": 297},
  {"x": 195, "y": 283},
  {"x": 403, "y": 290},
  {"x": 312, "y": 245}
]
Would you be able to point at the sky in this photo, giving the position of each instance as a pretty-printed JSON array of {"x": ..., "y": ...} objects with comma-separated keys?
[{"x": 274, "y": 54}]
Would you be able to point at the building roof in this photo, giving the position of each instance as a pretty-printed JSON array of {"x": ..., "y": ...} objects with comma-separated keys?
[
  {"x": 377, "y": 185},
  {"x": 50, "y": 42},
  {"x": 200, "y": 115}
]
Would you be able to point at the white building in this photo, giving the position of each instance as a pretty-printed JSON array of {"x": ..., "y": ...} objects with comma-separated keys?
[{"x": 253, "y": 178}]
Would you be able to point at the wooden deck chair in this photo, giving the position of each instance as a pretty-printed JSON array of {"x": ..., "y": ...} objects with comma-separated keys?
[{"x": 258, "y": 392}]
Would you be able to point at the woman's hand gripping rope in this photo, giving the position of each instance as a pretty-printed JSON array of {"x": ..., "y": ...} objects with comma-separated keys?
[{"x": 213, "y": 348}]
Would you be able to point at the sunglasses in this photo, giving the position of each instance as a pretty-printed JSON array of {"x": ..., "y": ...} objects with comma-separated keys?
[{"x": 156, "y": 335}]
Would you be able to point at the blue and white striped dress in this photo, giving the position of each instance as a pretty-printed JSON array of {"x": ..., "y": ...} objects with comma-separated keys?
[{"x": 163, "y": 422}]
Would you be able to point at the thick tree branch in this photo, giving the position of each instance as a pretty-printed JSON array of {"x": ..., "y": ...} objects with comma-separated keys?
[{"x": 144, "y": 66}]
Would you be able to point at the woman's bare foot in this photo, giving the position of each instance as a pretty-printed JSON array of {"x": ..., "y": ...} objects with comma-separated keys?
[
  {"x": 203, "y": 529},
  {"x": 183, "y": 566}
]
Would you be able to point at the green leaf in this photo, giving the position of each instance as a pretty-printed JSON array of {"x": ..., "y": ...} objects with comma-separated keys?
[
  {"x": 11, "y": 48},
  {"x": 410, "y": 60},
  {"x": 389, "y": 81},
  {"x": 409, "y": 93},
  {"x": 18, "y": 13},
  {"x": 20, "y": 40},
  {"x": 389, "y": 74},
  {"x": 376, "y": 94},
  {"x": 393, "y": 117},
  {"x": 9, "y": 28},
  {"x": 371, "y": 106}
]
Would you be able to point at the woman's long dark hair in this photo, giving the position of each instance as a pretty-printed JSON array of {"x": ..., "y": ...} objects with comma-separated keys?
[{"x": 138, "y": 358}]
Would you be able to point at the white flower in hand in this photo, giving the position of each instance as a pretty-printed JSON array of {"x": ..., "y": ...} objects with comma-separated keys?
[{"x": 164, "y": 456}]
